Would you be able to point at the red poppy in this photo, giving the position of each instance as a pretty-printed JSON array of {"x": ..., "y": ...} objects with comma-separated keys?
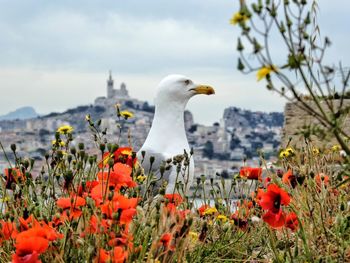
[
  {"x": 253, "y": 173},
  {"x": 166, "y": 239},
  {"x": 289, "y": 178},
  {"x": 274, "y": 198},
  {"x": 202, "y": 209},
  {"x": 275, "y": 220},
  {"x": 175, "y": 199},
  {"x": 292, "y": 221}
]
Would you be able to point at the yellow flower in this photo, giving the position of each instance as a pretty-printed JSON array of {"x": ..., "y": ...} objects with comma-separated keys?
[
  {"x": 283, "y": 154},
  {"x": 264, "y": 71},
  {"x": 315, "y": 151},
  {"x": 290, "y": 151},
  {"x": 193, "y": 236},
  {"x": 336, "y": 148},
  {"x": 222, "y": 218},
  {"x": 238, "y": 18},
  {"x": 65, "y": 129},
  {"x": 210, "y": 211},
  {"x": 141, "y": 178},
  {"x": 87, "y": 117},
  {"x": 60, "y": 143},
  {"x": 126, "y": 114}
]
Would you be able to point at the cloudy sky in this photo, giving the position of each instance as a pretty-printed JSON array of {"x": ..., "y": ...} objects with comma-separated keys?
[{"x": 56, "y": 55}]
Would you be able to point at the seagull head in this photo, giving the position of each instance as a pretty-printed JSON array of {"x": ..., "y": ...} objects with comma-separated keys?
[{"x": 179, "y": 89}]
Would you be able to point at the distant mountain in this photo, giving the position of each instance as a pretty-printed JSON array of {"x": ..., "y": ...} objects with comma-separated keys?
[{"x": 22, "y": 113}]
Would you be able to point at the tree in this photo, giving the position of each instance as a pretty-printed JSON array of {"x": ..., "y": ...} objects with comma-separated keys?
[{"x": 301, "y": 75}]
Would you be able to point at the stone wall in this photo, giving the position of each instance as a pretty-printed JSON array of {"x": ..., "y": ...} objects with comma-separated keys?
[{"x": 295, "y": 119}]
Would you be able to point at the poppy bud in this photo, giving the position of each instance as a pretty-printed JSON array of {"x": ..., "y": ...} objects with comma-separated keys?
[
  {"x": 102, "y": 147},
  {"x": 81, "y": 146}
]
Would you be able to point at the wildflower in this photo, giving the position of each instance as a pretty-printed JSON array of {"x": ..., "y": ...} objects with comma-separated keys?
[
  {"x": 126, "y": 114},
  {"x": 29, "y": 249},
  {"x": 65, "y": 129},
  {"x": 141, "y": 178},
  {"x": 239, "y": 222},
  {"x": 321, "y": 179},
  {"x": 123, "y": 154},
  {"x": 176, "y": 199},
  {"x": 166, "y": 239},
  {"x": 287, "y": 153},
  {"x": 222, "y": 218},
  {"x": 202, "y": 209},
  {"x": 275, "y": 220},
  {"x": 289, "y": 179},
  {"x": 315, "y": 151},
  {"x": 193, "y": 236},
  {"x": 265, "y": 71},
  {"x": 58, "y": 143},
  {"x": 238, "y": 18},
  {"x": 274, "y": 198},
  {"x": 251, "y": 173},
  {"x": 13, "y": 176},
  {"x": 210, "y": 211},
  {"x": 71, "y": 204},
  {"x": 119, "y": 176},
  {"x": 88, "y": 117},
  {"x": 292, "y": 221},
  {"x": 336, "y": 148}
]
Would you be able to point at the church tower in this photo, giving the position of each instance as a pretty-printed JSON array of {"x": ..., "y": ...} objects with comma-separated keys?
[{"x": 110, "y": 88}]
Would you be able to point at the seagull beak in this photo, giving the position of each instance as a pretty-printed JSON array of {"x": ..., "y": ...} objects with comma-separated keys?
[{"x": 203, "y": 89}]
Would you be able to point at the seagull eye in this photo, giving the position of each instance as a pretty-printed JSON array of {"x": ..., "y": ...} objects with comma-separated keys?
[{"x": 187, "y": 82}]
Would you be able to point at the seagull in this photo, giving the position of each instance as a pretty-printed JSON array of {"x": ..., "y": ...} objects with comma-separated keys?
[{"x": 167, "y": 136}]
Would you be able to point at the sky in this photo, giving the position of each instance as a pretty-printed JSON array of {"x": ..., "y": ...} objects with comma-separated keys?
[{"x": 56, "y": 55}]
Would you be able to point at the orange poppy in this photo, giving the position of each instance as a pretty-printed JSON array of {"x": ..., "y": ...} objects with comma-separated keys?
[
  {"x": 176, "y": 199},
  {"x": 70, "y": 202},
  {"x": 202, "y": 209},
  {"x": 289, "y": 179},
  {"x": 321, "y": 179},
  {"x": 28, "y": 249},
  {"x": 253, "y": 173}
]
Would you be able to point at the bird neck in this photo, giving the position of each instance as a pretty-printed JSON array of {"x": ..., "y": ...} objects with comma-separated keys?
[{"x": 168, "y": 127}]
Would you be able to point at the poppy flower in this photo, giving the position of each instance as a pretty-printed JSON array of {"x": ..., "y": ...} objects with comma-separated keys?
[
  {"x": 321, "y": 179},
  {"x": 28, "y": 249},
  {"x": 166, "y": 239},
  {"x": 127, "y": 215},
  {"x": 239, "y": 222},
  {"x": 274, "y": 198},
  {"x": 86, "y": 188},
  {"x": 292, "y": 221},
  {"x": 119, "y": 176},
  {"x": 253, "y": 173},
  {"x": 202, "y": 209},
  {"x": 8, "y": 230},
  {"x": 117, "y": 255},
  {"x": 13, "y": 175},
  {"x": 68, "y": 202},
  {"x": 289, "y": 178},
  {"x": 275, "y": 220},
  {"x": 121, "y": 155},
  {"x": 176, "y": 199}
]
